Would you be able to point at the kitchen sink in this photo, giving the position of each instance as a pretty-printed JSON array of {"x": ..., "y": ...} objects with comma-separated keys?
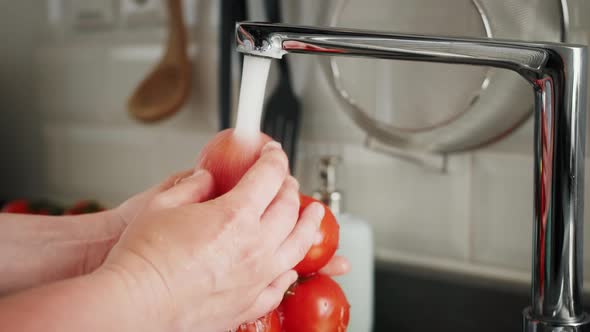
[{"x": 411, "y": 299}]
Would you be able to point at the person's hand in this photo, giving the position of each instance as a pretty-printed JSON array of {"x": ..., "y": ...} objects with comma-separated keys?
[
  {"x": 212, "y": 265},
  {"x": 96, "y": 234},
  {"x": 128, "y": 210}
]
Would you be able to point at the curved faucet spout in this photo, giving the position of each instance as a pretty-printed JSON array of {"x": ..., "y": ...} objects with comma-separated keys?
[
  {"x": 557, "y": 73},
  {"x": 276, "y": 40}
]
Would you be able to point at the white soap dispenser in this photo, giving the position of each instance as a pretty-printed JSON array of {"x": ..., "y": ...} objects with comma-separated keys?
[{"x": 356, "y": 243}]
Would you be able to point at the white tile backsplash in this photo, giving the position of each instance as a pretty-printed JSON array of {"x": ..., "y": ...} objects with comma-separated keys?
[
  {"x": 322, "y": 116},
  {"x": 106, "y": 163},
  {"x": 502, "y": 210},
  {"x": 64, "y": 71},
  {"x": 54, "y": 149},
  {"x": 178, "y": 151},
  {"x": 413, "y": 209},
  {"x": 477, "y": 216}
]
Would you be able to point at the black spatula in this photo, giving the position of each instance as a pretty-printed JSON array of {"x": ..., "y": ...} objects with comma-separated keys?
[{"x": 281, "y": 116}]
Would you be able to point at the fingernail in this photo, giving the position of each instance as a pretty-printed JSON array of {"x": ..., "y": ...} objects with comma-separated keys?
[
  {"x": 198, "y": 172},
  {"x": 272, "y": 145},
  {"x": 195, "y": 174}
]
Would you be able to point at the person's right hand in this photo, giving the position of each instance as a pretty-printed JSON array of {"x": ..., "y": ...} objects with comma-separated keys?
[{"x": 210, "y": 266}]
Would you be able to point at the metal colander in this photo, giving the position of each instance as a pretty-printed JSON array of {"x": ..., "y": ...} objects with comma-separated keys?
[{"x": 430, "y": 106}]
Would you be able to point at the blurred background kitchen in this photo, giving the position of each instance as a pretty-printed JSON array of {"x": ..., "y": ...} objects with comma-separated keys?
[{"x": 451, "y": 222}]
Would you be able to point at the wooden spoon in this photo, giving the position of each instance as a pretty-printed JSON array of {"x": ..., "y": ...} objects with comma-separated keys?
[{"x": 165, "y": 89}]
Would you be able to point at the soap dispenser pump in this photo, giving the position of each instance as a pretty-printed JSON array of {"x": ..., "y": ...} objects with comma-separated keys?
[
  {"x": 327, "y": 193},
  {"x": 356, "y": 244}
]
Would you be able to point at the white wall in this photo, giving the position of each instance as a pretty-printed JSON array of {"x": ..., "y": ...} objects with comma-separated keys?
[{"x": 73, "y": 87}]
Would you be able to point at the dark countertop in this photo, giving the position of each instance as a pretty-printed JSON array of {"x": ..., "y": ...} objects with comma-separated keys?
[{"x": 409, "y": 299}]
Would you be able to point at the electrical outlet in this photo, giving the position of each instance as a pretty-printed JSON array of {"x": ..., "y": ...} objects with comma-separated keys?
[{"x": 143, "y": 12}]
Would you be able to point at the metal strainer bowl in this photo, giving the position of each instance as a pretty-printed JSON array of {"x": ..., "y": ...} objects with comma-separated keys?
[{"x": 434, "y": 107}]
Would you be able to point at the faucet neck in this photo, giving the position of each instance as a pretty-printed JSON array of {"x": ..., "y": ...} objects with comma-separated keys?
[{"x": 557, "y": 73}]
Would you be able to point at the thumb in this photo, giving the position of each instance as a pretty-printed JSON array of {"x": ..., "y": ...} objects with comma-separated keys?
[
  {"x": 338, "y": 265},
  {"x": 195, "y": 188}
]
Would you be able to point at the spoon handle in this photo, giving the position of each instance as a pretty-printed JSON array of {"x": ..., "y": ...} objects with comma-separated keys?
[{"x": 176, "y": 47}]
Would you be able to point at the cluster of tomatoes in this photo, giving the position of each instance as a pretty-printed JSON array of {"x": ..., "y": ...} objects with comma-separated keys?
[
  {"x": 49, "y": 208},
  {"x": 315, "y": 303}
]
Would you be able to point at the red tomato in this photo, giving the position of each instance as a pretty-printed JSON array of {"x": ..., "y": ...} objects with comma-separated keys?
[
  {"x": 326, "y": 244},
  {"x": 228, "y": 157},
  {"x": 268, "y": 323},
  {"x": 85, "y": 206},
  {"x": 17, "y": 206},
  {"x": 315, "y": 304}
]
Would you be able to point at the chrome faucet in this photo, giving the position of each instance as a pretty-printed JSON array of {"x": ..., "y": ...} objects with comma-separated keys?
[{"x": 557, "y": 73}]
